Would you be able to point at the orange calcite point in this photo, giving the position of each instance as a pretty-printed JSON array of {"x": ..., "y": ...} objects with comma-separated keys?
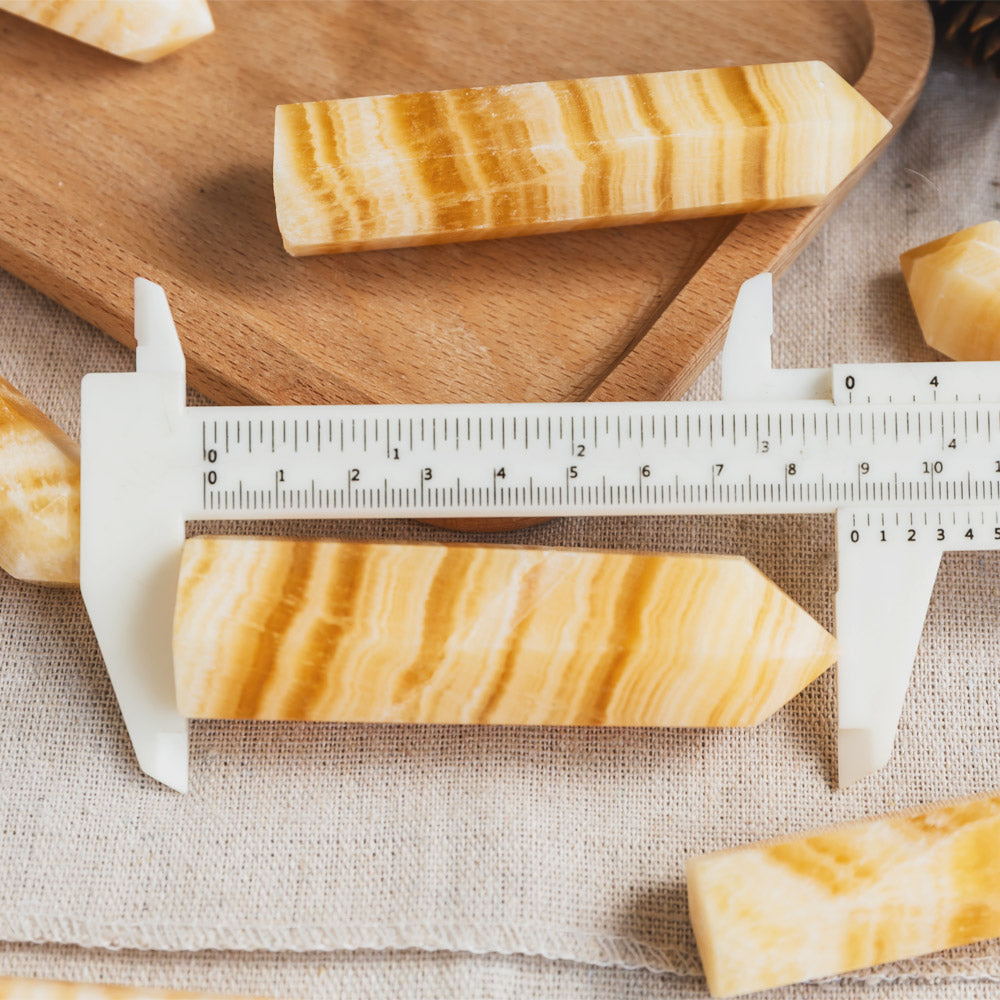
[
  {"x": 954, "y": 283},
  {"x": 39, "y": 494},
  {"x": 140, "y": 30},
  {"x": 41, "y": 989},
  {"x": 454, "y": 165},
  {"x": 829, "y": 902},
  {"x": 347, "y": 631}
]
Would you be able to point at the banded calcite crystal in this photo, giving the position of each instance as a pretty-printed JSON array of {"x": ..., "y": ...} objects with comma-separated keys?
[
  {"x": 455, "y": 165},
  {"x": 829, "y": 902},
  {"x": 140, "y": 30},
  {"x": 954, "y": 284},
  {"x": 43, "y": 989},
  {"x": 347, "y": 631},
  {"x": 39, "y": 494}
]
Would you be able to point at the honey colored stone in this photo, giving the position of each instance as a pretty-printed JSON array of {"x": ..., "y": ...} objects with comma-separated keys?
[
  {"x": 43, "y": 989},
  {"x": 347, "y": 631},
  {"x": 140, "y": 30},
  {"x": 39, "y": 494},
  {"x": 828, "y": 902},
  {"x": 954, "y": 284},
  {"x": 454, "y": 165}
]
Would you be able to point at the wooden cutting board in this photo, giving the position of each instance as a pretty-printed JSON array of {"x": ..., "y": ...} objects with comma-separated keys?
[{"x": 112, "y": 170}]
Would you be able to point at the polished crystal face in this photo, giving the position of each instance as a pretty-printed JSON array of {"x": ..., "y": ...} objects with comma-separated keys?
[
  {"x": 141, "y": 31},
  {"x": 954, "y": 284},
  {"x": 39, "y": 494},
  {"x": 831, "y": 901},
  {"x": 348, "y": 631},
  {"x": 474, "y": 164}
]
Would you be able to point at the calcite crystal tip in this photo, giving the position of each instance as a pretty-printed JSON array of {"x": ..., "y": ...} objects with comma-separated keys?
[
  {"x": 359, "y": 632},
  {"x": 43, "y": 989},
  {"x": 954, "y": 284},
  {"x": 454, "y": 165},
  {"x": 833, "y": 901},
  {"x": 140, "y": 30},
  {"x": 39, "y": 494}
]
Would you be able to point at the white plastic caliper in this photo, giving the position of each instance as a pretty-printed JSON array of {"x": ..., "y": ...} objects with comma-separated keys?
[{"x": 907, "y": 455}]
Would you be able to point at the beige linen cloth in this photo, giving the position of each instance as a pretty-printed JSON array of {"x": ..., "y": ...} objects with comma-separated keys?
[{"x": 546, "y": 862}]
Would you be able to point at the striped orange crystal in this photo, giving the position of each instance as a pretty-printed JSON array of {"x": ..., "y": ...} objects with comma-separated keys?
[
  {"x": 954, "y": 284},
  {"x": 39, "y": 494},
  {"x": 140, "y": 30},
  {"x": 44, "y": 989},
  {"x": 348, "y": 631},
  {"x": 832, "y": 901},
  {"x": 454, "y": 165}
]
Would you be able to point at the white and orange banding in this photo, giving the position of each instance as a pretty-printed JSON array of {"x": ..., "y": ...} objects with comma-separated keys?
[
  {"x": 954, "y": 284},
  {"x": 140, "y": 30},
  {"x": 349, "y": 631},
  {"x": 44, "y": 989},
  {"x": 453, "y": 165},
  {"x": 832, "y": 901},
  {"x": 39, "y": 494}
]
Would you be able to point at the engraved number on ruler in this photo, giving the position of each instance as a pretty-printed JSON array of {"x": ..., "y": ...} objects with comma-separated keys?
[
  {"x": 660, "y": 455},
  {"x": 953, "y": 529}
]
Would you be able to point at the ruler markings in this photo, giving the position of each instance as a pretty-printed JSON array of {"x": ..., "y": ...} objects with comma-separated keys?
[{"x": 786, "y": 458}]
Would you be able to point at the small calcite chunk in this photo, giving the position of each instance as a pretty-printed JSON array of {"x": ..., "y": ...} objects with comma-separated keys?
[
  {"x": 140, "y": 30},
  {"x": 828, "y": 902},
  {"x": 954, "y": 283},
  {"x": 453, "y": 165},
  {"x": 39, "y": 494},
  {"x": 348, "y": 631},
  {"x": 43, "y": 989}
]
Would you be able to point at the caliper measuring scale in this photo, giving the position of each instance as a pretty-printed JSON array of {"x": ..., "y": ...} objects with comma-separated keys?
[{"x": 906, "y": 455}]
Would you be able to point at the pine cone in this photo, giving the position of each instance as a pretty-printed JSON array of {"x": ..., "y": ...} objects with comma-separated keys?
[{"x": 974, "y": 26}]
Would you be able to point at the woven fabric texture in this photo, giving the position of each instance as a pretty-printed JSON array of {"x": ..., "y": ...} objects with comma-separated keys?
[
  {"x": 417, "y": 975},
  {"x": 533, "y": 844}
]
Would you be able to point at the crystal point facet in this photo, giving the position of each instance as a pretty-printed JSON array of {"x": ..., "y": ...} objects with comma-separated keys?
[
  {"x": 140, "y": 30},
  {"x": 832, "y": 901},
  {"x": 348, "y": 631},
  {"x": 954, "y": 284},
  {"x": 454, "y": 165},
  {"x": 39, "y": 494},
  {"x": 43, "y": 989}
]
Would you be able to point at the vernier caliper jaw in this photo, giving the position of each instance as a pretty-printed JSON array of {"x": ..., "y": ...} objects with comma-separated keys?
[
  {"x": 882, "y": 599},
  {"x": 747, "y": 375},
  {"x": 884, "y": 582},
  {"x": 132, "y": 531},
  {"x": 863, "y": 441}
]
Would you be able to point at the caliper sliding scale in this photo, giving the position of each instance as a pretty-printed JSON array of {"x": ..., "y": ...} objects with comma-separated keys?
[{"x": 907, "y": 455}]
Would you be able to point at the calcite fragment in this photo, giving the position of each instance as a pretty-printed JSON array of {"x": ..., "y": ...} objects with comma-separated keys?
[
  {"x": 828, "y": 902},
  {"x": 454, "y": 165},
  {"x": 140, "y": 30},
  {"x": 347, "y": 631},
  {"x": 954, "y": 283},
  {"x": 39, "y": 494},
  {"x": 43, "y": 989}
]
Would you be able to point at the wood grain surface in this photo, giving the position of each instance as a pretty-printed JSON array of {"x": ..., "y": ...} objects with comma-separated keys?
[{"x": 112, "y": 170}]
